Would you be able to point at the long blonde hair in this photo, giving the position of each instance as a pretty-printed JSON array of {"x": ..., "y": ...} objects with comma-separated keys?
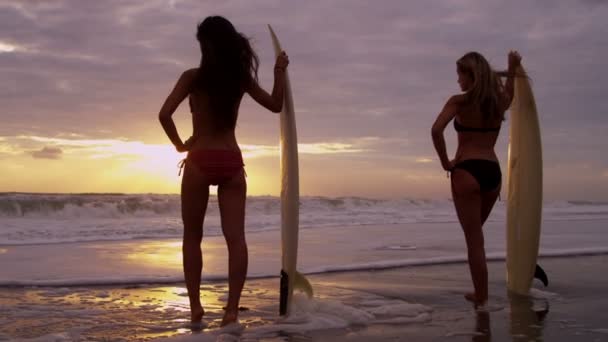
[{"x": 487, "y": 87}]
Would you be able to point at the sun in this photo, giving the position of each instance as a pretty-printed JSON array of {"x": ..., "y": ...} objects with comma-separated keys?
[
  {"x": 155, "y": 164},
  {"x": 138, "y": 166}
]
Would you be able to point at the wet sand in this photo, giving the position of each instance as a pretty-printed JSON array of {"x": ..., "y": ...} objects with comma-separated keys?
[{"x": 402, "y": 304}]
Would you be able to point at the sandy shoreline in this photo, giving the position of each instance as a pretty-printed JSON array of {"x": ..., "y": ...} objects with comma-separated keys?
[{"x": 429, "y": 297}]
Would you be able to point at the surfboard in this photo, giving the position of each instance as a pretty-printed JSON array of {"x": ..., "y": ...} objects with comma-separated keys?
[
  {"x": 290, "y": 198},
  {"x": 525, "y": 189}
]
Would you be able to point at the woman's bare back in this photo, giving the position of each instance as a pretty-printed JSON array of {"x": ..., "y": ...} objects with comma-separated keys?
[
  {"x": 476, "y": 145},
  {"x": 204, "y": 132}
]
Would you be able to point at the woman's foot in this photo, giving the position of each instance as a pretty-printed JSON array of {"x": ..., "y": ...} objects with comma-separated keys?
[
  {"x": 196, "y": 314},
  {"x": 471, "y": 297},
  {"x": 229, "y": 317}
]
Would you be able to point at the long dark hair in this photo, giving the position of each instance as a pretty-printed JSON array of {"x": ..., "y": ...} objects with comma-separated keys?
[
  {"x": 487, "y": 87},
  {"x": 228, "y": 66}
]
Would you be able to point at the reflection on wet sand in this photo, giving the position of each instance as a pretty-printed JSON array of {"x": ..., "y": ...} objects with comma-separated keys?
[
  {"x": 526, "y": 320},
  {"x": 482, "y": 327}
]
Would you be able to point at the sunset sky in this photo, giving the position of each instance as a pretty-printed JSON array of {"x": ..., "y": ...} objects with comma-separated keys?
[{"x": 82, "y": 83}]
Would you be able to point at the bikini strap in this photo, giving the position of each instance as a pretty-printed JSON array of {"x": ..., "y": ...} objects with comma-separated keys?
[{"x": 448, "y": 172}]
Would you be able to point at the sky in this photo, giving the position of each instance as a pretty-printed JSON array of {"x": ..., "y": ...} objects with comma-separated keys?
[{"x": 82, "y": 83}]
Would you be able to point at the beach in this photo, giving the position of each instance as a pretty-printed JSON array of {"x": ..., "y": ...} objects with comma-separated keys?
[
  {"x": 345, "y": 149},
  {"x": 379, "y": 281},
  {"x": 422, "y": 303}
]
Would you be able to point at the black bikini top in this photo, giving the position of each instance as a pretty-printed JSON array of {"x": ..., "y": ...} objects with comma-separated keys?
[{"x": 460, "y": 128}]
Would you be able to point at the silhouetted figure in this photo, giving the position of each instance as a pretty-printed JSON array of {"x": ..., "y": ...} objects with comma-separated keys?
[
  {"x": 227, "y": 71},
  {"x": 476, "y": 176}
]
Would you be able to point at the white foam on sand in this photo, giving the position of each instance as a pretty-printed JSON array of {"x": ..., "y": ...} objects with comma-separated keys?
[
  {"x": 538, "y": 294},
  {"x": 600, "y": 331},
  {"x": 231, "y": 332},
  {"x": 195, "y": 337},
  {"x": 313, "y": 315},
  {"x": 464, "y": 333},
  {"x": 73, "y": 335}
]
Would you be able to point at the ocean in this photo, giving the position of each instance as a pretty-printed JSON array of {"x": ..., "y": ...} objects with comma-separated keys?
[{"x": 133, "y": 239}]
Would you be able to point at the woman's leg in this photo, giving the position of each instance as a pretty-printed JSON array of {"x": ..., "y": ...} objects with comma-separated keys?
[
  {"x": 468, "y": 202},
  {"x": 194, "y": 195},
  {"x": 231, "y": 198},
  {"x": 488, "y": 199}
]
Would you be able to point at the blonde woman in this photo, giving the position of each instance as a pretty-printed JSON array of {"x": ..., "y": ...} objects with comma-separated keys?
[{"x": 475, "y": 172}]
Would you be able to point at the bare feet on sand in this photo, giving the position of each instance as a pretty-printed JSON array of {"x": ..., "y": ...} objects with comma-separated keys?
[
  {"x": 473, "y": 299},
  {"x": 196, "y": 314},
  {"x": 229, "y": 317}
]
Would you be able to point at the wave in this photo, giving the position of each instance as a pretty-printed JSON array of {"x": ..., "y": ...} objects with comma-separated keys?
[
  {"x": 116, "y": 206},
  {"x": 588, "y": 203},
  {"x": 124, "y": 205},
  {"x": 27, "y": 218},
  {"x": 86, "y": 205},
  {"x": 366, "y": 266}
]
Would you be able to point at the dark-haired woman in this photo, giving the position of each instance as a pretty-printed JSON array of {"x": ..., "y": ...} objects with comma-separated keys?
[
  {"x": 476, "y": 177},
  {"x": 228, "y": 70}
]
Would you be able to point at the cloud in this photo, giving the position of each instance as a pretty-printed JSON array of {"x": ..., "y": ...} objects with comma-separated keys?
[
  {"x": 253, "y": 151},
  {"x": 424, "y": 160},
  {"x": 376, "y": 71},
  {"x": 7, "y": 47},
  {"x": 54, "y": 148},
  {"x": 376, "y": 79},
  {"x": 48, "y": 153}
]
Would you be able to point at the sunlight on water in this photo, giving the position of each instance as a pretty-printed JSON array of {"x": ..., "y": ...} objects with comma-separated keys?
[{"x": 166, "y": 254}]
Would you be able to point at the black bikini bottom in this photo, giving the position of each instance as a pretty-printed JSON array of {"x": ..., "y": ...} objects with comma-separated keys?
[{"x": 486, "y": 172}]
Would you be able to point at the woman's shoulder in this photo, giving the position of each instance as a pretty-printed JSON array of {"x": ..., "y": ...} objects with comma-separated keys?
[
  {"x": 188, "y": 78},
  {"x": 190, "y": 73},
  {"x": 457, "y": 100}
]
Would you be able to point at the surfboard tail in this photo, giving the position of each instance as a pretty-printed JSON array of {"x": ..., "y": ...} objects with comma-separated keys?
[
  {"x": 540, "y": 274},
  {"x": 283, "y": 293},
  {"x": 301, "y": 283}
]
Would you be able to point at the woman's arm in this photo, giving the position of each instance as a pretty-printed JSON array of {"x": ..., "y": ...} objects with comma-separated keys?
[
  {"x": 514, "y": 61},
  {"x": 446, "y": 115},
  {"x": 177, "y": 95},
  {"x": 272, "y": 102}
]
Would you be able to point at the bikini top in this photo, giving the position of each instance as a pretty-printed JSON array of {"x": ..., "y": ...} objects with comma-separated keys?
[{"x": 460, "y": 128}]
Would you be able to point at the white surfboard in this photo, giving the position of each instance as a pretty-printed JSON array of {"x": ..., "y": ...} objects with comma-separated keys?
[
  {"x": 290, "y": 198},
  {"x": 525, "y": 189}
]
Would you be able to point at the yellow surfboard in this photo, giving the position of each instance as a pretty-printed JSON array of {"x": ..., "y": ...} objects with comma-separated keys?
[{"x": 525, "y": 189}]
